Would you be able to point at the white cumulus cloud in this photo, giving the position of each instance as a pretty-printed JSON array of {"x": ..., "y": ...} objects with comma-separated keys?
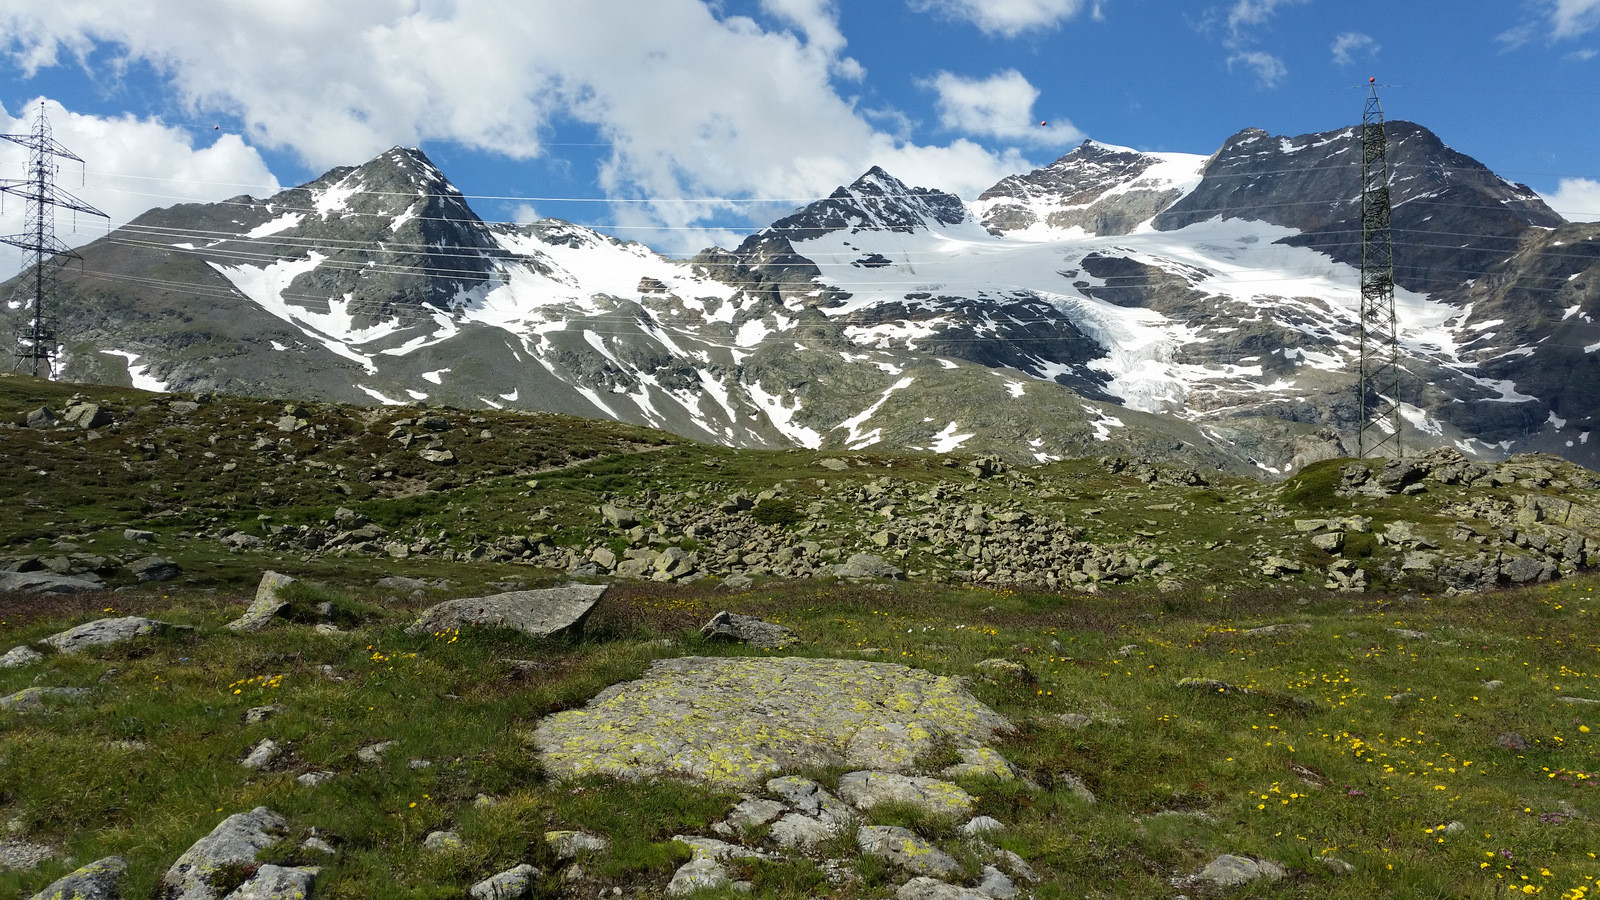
[
  {"x": 1270, "y": 70},
  {"x": 1352, "y": 44},
  {"x": 1571, "y": 18},
  {"x": 1000, "y": 106},
  {"x": 1576, "y": 199},
  {"x": 1009, "y": 18},
  {"x": 129, "y": 165},
  {"x": 692, "y": 103}
]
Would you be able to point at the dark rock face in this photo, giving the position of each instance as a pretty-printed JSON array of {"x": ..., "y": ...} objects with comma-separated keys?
[
  {"x": 1451, "y": 213},
  {"x": 876, "y": 201}
]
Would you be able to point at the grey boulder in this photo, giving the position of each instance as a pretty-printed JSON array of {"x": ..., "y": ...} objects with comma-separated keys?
[
  {"x": 539, "y": 613},
  {"x": 727, "y": 626},
  {"x": 236, "y": 840},
  {"x": 867, "y": 565},
  {"x": 99, "y": 880},
  {"x": 102, "y": 632},
  {"x": 47, "y": 583},
  {"x": 154, "y": 568},
  {"x": 17, "y": 657},
  {"x": 34, "y": 697},
  {"x": 268, "y": 603}
]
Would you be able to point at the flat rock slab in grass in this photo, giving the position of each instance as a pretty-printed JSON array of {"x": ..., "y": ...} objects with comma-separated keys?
[
  {"x": 538, "y": 613},
  {"x": 924, "y": 888},
  {"x": 99, "y": 880},
  {"x": 864, "y": 790},
  {"x": 46, "y": 583},
  {"x": 902, "y": 847},
  {"x": 1228, "y": 870},
  {"x": 237, "y": 839},
  {"x": 34, "y": 697},
  {"x": 733, "y": 722},
  {"x": 268, "y": 603},
  {"x": 102, "y": 632}
]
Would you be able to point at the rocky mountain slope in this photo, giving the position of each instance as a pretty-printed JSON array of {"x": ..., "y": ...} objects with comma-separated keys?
[{"x": 1198, "y": 309}]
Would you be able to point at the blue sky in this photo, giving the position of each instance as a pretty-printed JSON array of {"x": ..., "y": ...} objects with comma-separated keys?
[{"x": 689, "y": 122}]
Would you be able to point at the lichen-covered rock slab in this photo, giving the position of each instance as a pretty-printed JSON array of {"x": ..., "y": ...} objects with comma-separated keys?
[
  {"x": 733, "y": 722},
  {"x": 902, "y": 847},
  {"x": 539, "y": 613},
  {"x": 99, "y": 880},
  {"x": 864, "y": 790},
  {"x": 236, "y": 840}
]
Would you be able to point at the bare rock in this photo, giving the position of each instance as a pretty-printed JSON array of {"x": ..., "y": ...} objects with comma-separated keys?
[
  {"x": 512, "y": 884},
  {"x": 864, "y": 790},
  {"x": 236, "y": 839},
  {"x": 727, "y": 626},
  {"x": 268, "y": 603},
  {"x": 103, "y": 632},
  {"x": 17, "y": 657},
  {"x": 539, "y": 613},
  {"x": 901, "y": 847},
  {"x": 99, "y": 880}
]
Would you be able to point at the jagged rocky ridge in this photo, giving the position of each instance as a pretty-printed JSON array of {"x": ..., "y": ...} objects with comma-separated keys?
[{"x": 1193, "y": 308}]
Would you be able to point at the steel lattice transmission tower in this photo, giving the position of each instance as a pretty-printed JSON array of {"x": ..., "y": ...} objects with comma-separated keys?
[
  {"x": 43, "y": 252},
  {"x": 1378, "y": 390}
]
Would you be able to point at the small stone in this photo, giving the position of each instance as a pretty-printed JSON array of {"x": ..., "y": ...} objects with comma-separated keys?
[
  {"x": 512, "y": 884},
  {"x": 24, "y": 855},
  {"x": 17, "y": 657},
  {"x": 319, "y": 845},
  {"x": 138, "y": 535},
  {"x": 1075, "y": 721},
  {"x": 1016, "y": 865},
  {"x": 373, "y": 753},
  {"x": 1078, "y": 789},
  {"x": 700, "y": 873},
  {"x": 755, "y": 812},
  {"x": 1510, "y": 740},
  {"x": 978, "y": 826},
  {"x": 568, "y": 844},
  {"x": 1339, "y": 866},
  {"x": 802, "y": 832},
  {"x": 995, "y": 883},
  {"x": 262, "y": 755},
  {"x": 272, "y": 882},
  {"x": 1228, "y": 870},
  {"x": 442, "y": 840},
  {"x": 419, "y": 763},
  {"x": 312, "y": 779}
]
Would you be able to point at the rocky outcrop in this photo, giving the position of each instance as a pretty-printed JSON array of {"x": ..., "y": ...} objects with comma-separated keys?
[{"x": 734, "y": 722}]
